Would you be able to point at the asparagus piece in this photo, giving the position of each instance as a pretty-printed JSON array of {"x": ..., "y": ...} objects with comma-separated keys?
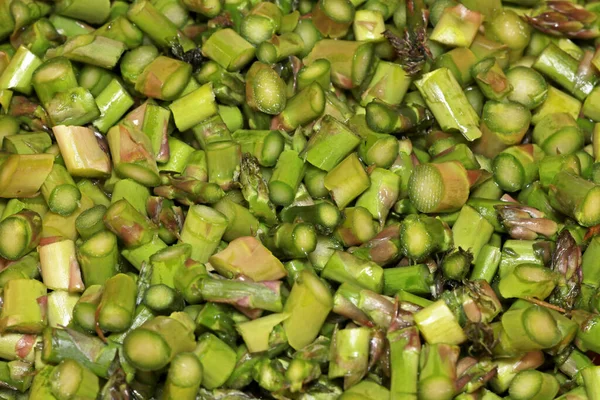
[
  {"x": 533, "y": 385},
  {"x": 291, "y": 240},
  {"x": 23, "y": 175},
  {"x": 438, "y": 324},
  {"x": 133, "y": 228},
  {"x": 158, "y": 341},
  {"x": 25, "y": 229},
  {"x": 84, "y": 312},
  {"x": 438, "y": 188},
  {"x": 350, "y": 61},
  {"x": 18, "y": 73},
  {"x": 117, "y": 305},
  {"x": 421, "y": 236},
  {"x": 16, "y": 375},
  {"x": 90, "y": 49},
  {"x": 203, "y": 96},
  {"x": 217, "y": 359},
  {"x": 59, "y": 266},
  {"x": 349, "y": 355},
  {"x": 347, "y": 181},
  {"x": 437, "y": 371},
  {"x": 578, "y": 201},
  {"x": 454, "y": 114},
  {"x": 203, "y": 229},
  {"x": 301, "y": 109},
  {"x": 132, "y": 155},
  {"x": 184, "y": 377},
  {"x": 344, "y": 267},
  {"x": 257, "y": 333},
  {"x": 24, "y": 309},
  {"x": 69, "y": 344},
  {"x": 308, "y": 305},
  {"x": 256, "y": 191},
  {"x": 264, "y": 295},
  {"x": 71, "y": 379},
  {"x": 81, "y": 151}
]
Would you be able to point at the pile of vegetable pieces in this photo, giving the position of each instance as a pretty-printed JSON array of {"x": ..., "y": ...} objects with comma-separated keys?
[{"x": 340, "y": 199}]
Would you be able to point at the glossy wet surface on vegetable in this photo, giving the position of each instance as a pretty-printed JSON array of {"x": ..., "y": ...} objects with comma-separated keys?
[{"x": 303, "y": 200}]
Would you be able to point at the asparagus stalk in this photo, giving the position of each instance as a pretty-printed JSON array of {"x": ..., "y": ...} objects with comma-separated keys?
[
  {"x": 291, "y": 240},
  {"x": 347, "y": 181},
  {"x": 308, "y": 305},
  {"x": 264, "y": 295},
  {"x": 349, "y": 355},
  {"x": 438, "y": 188},
  {"x": 90, "y": 49},
  {"x": 133, "y": 228},
  {"x": 81, "y": 151},
  {"x": 25, "y": 228},
  {"x": 256, "y": 191},
  {"x": 454, "y": 114},
  {"x": 69, "y": 344},
  {"x": 16, "y": 375},
  {"x": 344, "y": 267},
  {"x": 203, "y": 229},
  {"x": 132, "y": 155},
  {"x": 59, "y": 266},
  {"x": 71, "y": 379},
  {"x": 577, "y": 201},
  {"x": 438, "y": 324},
  {"x": 158, "y": 341},
  {"x": 157, "y": 26},
  {"x": 437, "y": 371},
  {"x": 301, "y": 109},
  {"x": 247, "y": 256},
  {"x": 24, "y": 309},
  {"x": 117, "y": 305},
  {"x": 23, "y": 175},
  {"x": 184, "y": 377},
  {"x": 533, "y": 384},
  {"x": 350, "y": 61},
  {"x": 84, "y": 312},
  {"x": 421, "y": 236},
  {"x": 217, "y": 358}
]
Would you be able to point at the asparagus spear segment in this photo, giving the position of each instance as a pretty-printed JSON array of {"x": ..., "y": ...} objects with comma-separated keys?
[
  {"x": 24, "y": 309},
  {"x": 344, "y": 267},
  {"x": 264, "y": 295},
  {"x": 308, "y": 305},
  {"x": 184, "y": 377},
  {"x": 533, "y": 385},
  {"x": 81, "y": 151},
  {"x": 350, "y": 61},
  {"x": 453, "y": 113},
  {"x": 347, "y": 181},
  {"x": 132, "y": 155},
  {"x": 90, "y": 49},
  {"x": 239, "y": 199},
  {"x": 578, "y": 201},
  {"x": 438, "y": 188},
  {"x": 25, "y": 229},
  {"x": 116, "y": 307},
  {"x": 438, "y": 371},
  {"x": 71, "y": 379},
  {"x": 217, "y": 359},
  {"x": 18, "y": 73},
  {"x": 23, "y": 175},
  {"x": 247, "y": 256},
  {"x": 203, "y": 229},
  {"x": 59, "y": 265},
  {"x": 156, "y": 342}
]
